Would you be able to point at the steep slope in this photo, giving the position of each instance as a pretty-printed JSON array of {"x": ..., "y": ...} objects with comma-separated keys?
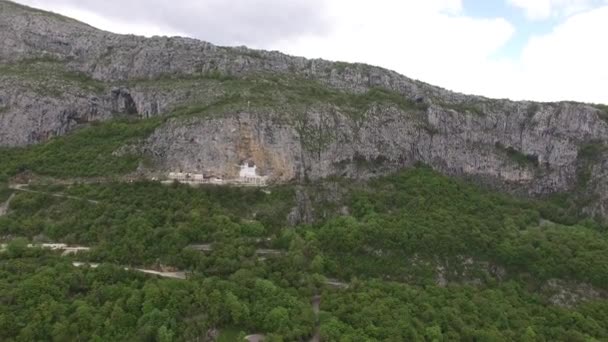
[{"x": 297, "y": 119}]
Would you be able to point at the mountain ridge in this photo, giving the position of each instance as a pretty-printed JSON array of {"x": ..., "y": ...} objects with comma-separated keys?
[{"x": 297, "y": 119}]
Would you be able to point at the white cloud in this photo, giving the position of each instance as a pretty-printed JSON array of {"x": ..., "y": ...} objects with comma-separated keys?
[
  {"x": 570, "y": 62},
  {"x": 430, "y": 40},
  {"x": 123, "y": 27},
  {"x": 545, "y": 9},
  {"x": 456, "y": 51},
  {"x": 233, "y": 22},
  {"x": 565, "y": 64}
]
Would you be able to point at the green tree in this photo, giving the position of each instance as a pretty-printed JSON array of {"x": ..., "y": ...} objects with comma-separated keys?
[
  {"x": 164, "y": 334},
  {"x": 434, "y": 333}
]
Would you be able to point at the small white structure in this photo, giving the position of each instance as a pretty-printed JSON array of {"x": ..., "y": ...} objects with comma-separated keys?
[
  {"x": 198, "y": 178},
  {"x": 190, "y": 178},
  {"x": 90, "y": 264},
  {"x": 248, "y": 171},
  {"x": 53, "y": 246},
  {"x": 74, "y": 250},
  {"x": 249, "y": 176},
  {"x": 178, "y": 176},
  {"x": 60, "y": 247}
]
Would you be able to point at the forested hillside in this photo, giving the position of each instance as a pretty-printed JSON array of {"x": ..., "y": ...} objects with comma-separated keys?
[{"x": 411, "y": 256}]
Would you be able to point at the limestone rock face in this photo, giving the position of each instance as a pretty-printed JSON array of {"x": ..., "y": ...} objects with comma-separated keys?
[
  {"x": 219, "y": 146},
  {"x": 387, "y": 140},
  {"x": 57, "y": 73}
]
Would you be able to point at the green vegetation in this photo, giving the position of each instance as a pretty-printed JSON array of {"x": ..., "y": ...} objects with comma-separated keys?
[
  {"x": 388, "y": 238},
  {"x": 5, "y": 192},
  {"x": 383, "y": 311},
  {"x": 49, "y": 77},
  {"x": 45, "y": 298},
  {"x": 400, "y": 229},
  {"x": 341, "y": 66},
  {"x": 230, "y": 335},
  {"x": 423, "y": 214},
  {"x": 520, "y": 158},
  {"x": 88, "y": 152},
  {"x": 588, "y": 155},
  {"x": 134, "y": 218},
  {"x": 592, "y": 151},
  {"x": 289, "y": 98},
  {"x": 464, "y": 107},
  {"x": 84, "y": 153},
  {"x": 603, "y": 111},
  {"x": 276, "y": 92}
]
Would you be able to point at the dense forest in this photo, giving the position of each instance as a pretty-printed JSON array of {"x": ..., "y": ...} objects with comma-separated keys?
[{"x": 415, "y": 256}]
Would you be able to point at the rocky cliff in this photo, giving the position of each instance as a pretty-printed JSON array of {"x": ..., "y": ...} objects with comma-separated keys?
[{"x": 297, "y": 119}]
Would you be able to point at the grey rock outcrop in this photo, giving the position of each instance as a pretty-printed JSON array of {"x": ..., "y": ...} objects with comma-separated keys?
[
  {"x": 303, "y": 211},
  {"x": 533, "y": 148},
  {"x": 569, "y": 294},
  {"x": 457, "y": 144}
]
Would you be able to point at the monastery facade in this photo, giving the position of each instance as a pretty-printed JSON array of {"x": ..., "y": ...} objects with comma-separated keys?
[{"x": 247, "y": 177}]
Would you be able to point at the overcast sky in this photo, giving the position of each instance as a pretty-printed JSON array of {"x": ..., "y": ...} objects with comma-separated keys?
[{"x": 521, "y": 49}]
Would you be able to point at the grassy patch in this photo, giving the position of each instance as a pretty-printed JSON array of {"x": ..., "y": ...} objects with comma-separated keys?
[
  {"x": 274, "y": 92},
  {"x": 341, "y": 66},
  {"x": 84, "y": 153},
  {"x": 185, "y": 80},
  {"x": 463, "y": 107},
  {"x": 229, "y": 335},
  {"x": 48, "y": 76},
  {"x": 5, "y": 192},
  {"x": 592, "y": 151}
]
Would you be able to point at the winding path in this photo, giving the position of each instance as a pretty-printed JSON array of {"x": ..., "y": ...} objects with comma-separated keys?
[
  {"x": 66, "y": 250},
  {"x": 5, "y": 206},
  {"x": 260, "y": 252},
  {"x": 255, "y": 338},
  {"x": 173, "y": 275},
  {"x": 22, "y": 188}
]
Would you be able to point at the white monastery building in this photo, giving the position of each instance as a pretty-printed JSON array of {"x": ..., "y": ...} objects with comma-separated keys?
[{"x": 247, "y": 176}]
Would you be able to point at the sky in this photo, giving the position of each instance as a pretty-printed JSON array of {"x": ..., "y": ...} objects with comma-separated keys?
[{"x": 544, "y": 50}]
